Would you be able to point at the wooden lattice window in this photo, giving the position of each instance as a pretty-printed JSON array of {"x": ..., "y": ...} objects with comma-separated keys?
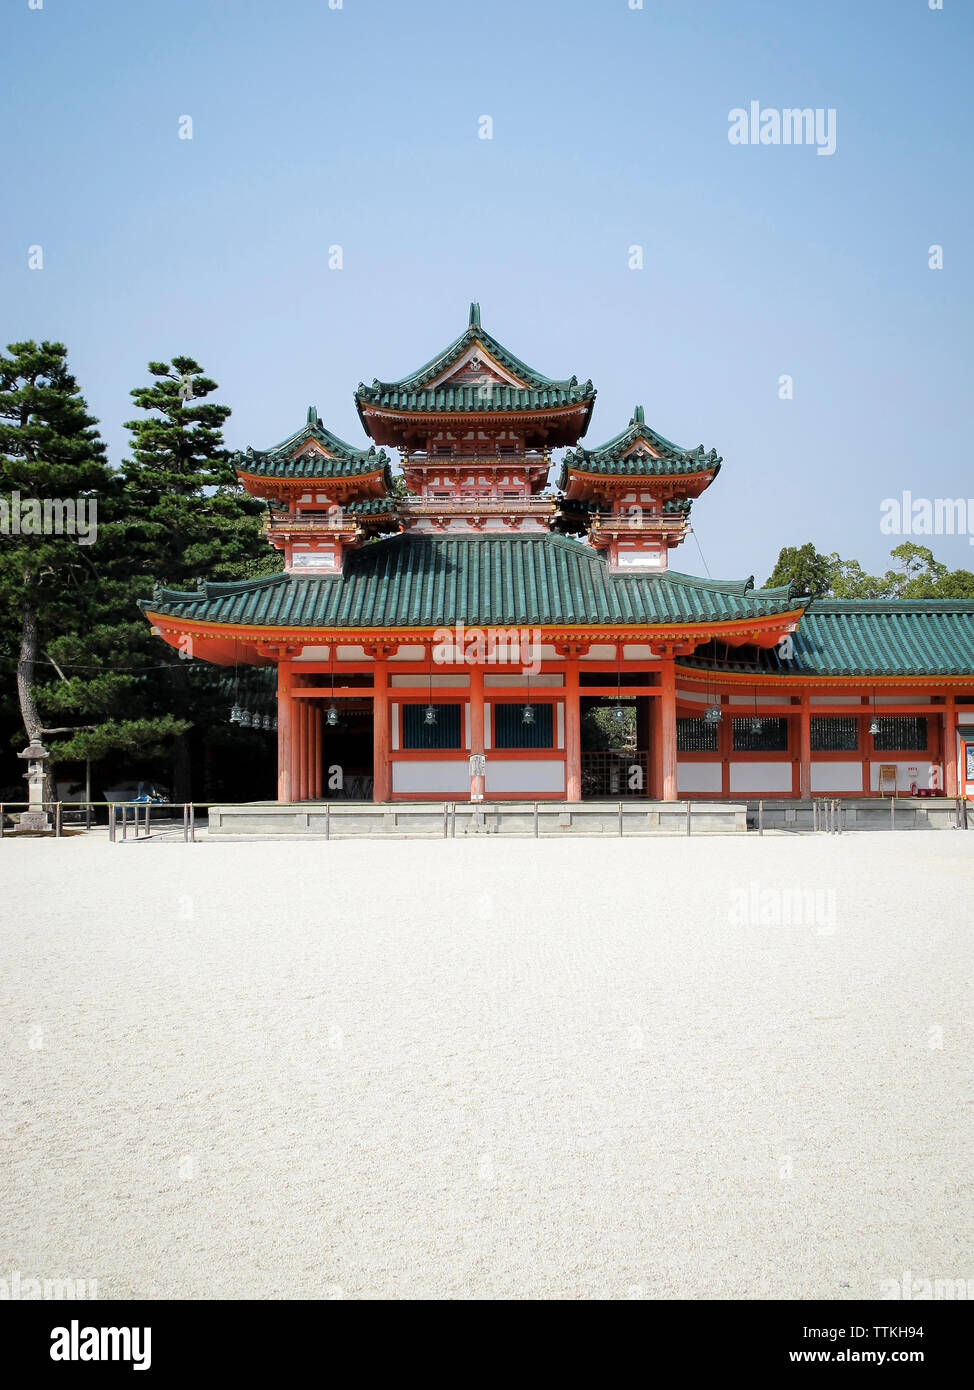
[
  {"x": 694, "y": 736},
  {"x": 901, "y": 731},
  {"x": 770, "y": 737},
  {"x": 834, "y": 733}
]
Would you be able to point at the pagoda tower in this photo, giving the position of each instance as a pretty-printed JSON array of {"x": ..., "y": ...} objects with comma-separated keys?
[
  {"x": 325, "y": 497},
  {"x": 474, "y": 428},
  {"x": 632, "y": 495}
]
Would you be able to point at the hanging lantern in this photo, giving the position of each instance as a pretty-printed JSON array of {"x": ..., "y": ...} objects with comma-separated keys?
[
  {"x": 713, "y": 714},
  {"x": 331, "y": 717},
  {"x": 619, "y": 714},
  {"x": 246, "y": 721},
  {"x": 429, "y": 714},
  {"x": 755, "y": 725},
  {"x": 266, "y": 723},
  {"x": 874, "y": 726},
  {"x": 274, "y": 725},
  {"x": 527, "y": 714},
  {"x": 236, "y": 714}
]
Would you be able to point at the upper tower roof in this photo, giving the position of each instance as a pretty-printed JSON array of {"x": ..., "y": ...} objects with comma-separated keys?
[
  {"x": 639, "y": 452},
  {"x": 476, "y": 375},
  {"x": 314, "y": 455}
]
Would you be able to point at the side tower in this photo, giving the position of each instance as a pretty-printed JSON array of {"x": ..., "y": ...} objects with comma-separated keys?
[
  {"x": 633, "y": 494},
  {"x": 324, "y": 496},
  {"x": 474, "y": 427}
]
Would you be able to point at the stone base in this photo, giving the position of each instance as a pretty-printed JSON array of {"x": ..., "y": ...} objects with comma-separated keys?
[
  {"x": 429, "y": 820},
  {"x": 34, "y": 820}
]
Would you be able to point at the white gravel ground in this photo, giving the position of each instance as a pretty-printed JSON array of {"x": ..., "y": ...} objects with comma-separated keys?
[{"x": 488, "y": 1069}]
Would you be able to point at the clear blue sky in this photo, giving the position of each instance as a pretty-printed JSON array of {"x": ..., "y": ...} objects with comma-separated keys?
[{"x": 359, "y": 127}]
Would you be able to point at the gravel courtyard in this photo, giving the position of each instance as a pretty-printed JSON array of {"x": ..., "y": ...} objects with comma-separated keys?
[{"x": 488, "y": 1069}]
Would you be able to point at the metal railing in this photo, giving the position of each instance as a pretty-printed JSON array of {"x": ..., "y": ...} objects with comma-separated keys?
[{"x": 126, "y": 819}]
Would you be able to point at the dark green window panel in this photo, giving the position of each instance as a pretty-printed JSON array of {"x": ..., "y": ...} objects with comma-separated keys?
[
  {"x": 445, "y": 733},
  {"x": 510, "y": 730}
]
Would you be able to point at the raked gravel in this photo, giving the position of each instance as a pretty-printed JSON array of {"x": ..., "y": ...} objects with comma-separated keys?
[{"x": 488, "y": 1069}]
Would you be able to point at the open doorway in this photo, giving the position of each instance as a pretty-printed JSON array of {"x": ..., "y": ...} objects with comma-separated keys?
[
  {"x": 614, "y": 747},
  {"x": 346, "y": 749}
]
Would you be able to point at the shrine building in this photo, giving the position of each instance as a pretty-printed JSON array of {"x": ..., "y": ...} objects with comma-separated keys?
[{"x": 466, "y": 607}]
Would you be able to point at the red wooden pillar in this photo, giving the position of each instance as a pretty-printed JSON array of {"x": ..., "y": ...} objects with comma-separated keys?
[
  {"x": 655, "y": 748},
  {"x": 316, "y": 759},
  {"x": 573, "y": 734},
  {"x": 302, "y": 742},
  {"x": 477, "y": 725},
  {"x": 950, "y": 747},
  {"x": 667, "y": 753},
  {"x": 285, "y": 731},
  {"x": 381, "y": 766},
  {"x": 805, "y": 749}
]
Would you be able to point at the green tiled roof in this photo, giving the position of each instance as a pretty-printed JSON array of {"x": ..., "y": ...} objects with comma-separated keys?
[
  {"x": 611, "y": 457},
  {"x": 888, "y": 637},
  {"x": 413, "y": 392},
  {"x": 417, "y": 580},
  {"x": 279, "y": 463}
]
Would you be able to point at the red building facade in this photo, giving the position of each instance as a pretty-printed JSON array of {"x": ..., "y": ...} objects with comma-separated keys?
[{"x": 465, "y": 615}]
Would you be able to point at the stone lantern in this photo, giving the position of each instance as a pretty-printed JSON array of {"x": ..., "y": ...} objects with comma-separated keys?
[{"x": 35, "y": 817}]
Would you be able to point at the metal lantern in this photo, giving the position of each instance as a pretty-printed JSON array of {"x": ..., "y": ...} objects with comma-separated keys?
[
  {"x": 619, "y": 714},
  {"x": 246, "y": 721},
  {"x": 755, "y": 725},
  {"x": 236, "y": 714},
  {"x": 331, "y": 717},
  {"x": 874, "y": 726},
  {"x": 527, "y": 714},
  {"x": 713, "y": 714},
  {"x": 429, "y": 714},
  {"x": 266, "y": 723},
  {"x": 274, "y": 725}
]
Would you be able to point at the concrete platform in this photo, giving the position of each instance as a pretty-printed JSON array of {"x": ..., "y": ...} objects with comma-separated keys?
[
  {"x": 863, "y": 813},
  {"x": 436, "y": 820}
]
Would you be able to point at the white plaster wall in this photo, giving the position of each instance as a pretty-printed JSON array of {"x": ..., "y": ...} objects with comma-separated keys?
[
  {"x": 701, "y": 697},
  {"x": 836, "y": 777},
  {"x": 697, "y": 777},
  {"x": 638, "y": 651},
  {"x": 760, "y": 777},
  {"x": 448, "y": 778},
  {"x": 521, "y": 775},
  {"x": 414, "y": 652},
  {"x": 904, "y": 772}
]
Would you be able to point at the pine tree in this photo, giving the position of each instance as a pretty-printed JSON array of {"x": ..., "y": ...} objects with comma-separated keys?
[
  {"x": 186, "y": 517},
  {"x": 53, "y": 481}
]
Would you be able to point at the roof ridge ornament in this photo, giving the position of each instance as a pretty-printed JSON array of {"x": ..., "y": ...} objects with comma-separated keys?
[{"x": 474, "y": 321}]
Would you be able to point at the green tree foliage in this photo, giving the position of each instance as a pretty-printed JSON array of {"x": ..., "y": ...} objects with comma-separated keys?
[
  {"x": 916, "y": 574},
  {"x": 50, "y": 451},
  {"x": 99, "y": 681}
]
